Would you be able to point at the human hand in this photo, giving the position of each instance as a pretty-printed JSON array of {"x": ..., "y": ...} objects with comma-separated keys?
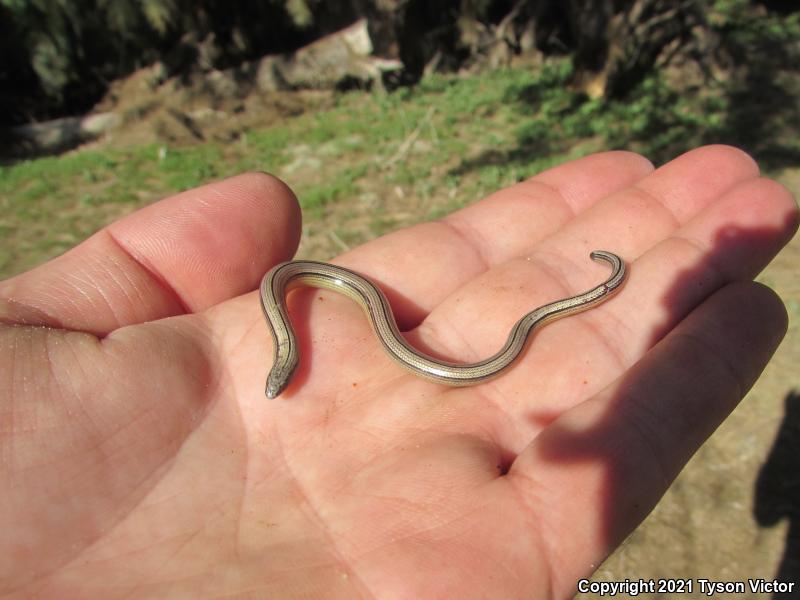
[{"x": 140, "y": 457}]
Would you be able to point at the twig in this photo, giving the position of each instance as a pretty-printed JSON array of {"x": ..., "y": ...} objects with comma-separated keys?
[
  {"x": 338, "y": 241},
  {"x": 409, "y": 142}
]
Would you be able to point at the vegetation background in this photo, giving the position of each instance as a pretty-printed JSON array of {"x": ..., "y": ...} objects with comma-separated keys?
[{"x": 449, "y": 101}]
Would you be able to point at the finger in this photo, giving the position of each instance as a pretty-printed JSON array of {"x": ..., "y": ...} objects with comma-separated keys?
[
  {"x": 182, "y": 254},
  {"x": 605, "y": 463},
  {"x": 732, "y": 239},
  {"x": 419, "y": 266},
  {"x": 442, "y": 256},
  {"x": 633, "y": 220},
  {"x": 628, "y": 222}
]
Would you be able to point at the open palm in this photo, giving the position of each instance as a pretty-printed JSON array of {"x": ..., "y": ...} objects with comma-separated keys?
[{"x": 140, "y": 457}]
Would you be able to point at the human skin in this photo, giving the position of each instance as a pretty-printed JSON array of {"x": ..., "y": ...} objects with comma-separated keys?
[{"x": 139, "y": 456}]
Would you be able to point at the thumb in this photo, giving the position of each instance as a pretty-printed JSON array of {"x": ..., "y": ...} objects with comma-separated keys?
[{"x": 179, "y": 255}]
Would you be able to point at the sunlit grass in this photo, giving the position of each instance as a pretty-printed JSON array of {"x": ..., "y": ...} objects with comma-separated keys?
[{"x": 413, "y": 154}]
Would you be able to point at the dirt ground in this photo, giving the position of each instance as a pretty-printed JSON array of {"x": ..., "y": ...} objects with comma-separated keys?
[{"x": 212, "y": 108}]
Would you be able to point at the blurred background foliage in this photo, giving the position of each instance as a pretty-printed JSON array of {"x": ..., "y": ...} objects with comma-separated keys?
[{"x": 59, "y": 56}]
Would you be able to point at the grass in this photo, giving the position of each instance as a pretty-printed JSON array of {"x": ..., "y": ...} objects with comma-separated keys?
[{"x": 371, "y": 161}]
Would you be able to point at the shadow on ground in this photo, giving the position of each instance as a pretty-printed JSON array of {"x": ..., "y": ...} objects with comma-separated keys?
[
  {"x": 777, "y": 493},
  {"x": 643, "y": 437}
]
